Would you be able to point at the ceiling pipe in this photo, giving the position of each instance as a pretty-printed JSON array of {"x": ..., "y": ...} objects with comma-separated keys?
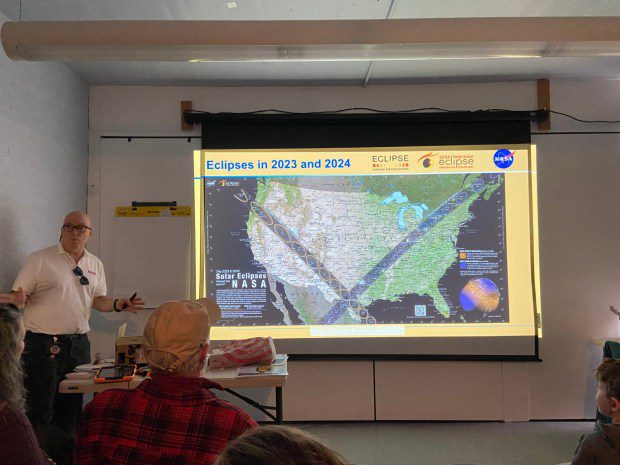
[{"x": 348, "y": 40}]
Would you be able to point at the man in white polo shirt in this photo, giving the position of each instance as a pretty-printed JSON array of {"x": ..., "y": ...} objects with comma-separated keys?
[{"x": 57, "y": 287}]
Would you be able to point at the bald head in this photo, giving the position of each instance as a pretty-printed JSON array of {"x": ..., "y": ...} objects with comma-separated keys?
[
  {"x": 72, "y": 238},
  {"x": 78, "y": 217}
]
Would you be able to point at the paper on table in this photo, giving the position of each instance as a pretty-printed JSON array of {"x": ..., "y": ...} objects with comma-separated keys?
[
  {"x": 217, "y": 373},
  {"x": 271, "y": 370},
  {"x": 91, "y": 367},
  {"x": 280, "y": 360}
]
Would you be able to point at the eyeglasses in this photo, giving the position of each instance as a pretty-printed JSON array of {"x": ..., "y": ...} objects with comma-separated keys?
[
  {"x": 83, "y": 279},
  {"x": 79, "y": 228}
]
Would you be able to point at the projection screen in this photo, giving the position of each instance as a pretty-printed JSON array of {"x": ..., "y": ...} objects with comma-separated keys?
[{"x": 399, "y": 250}]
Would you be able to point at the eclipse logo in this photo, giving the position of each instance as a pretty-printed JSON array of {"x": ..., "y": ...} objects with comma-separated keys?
[{"x": 426, "y": 159}]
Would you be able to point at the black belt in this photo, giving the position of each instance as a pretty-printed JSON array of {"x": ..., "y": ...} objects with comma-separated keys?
[{"x": 71, "y": 337}]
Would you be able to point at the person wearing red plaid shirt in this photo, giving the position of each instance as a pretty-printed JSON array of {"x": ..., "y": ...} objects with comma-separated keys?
[{"x": 172, "y": 418}]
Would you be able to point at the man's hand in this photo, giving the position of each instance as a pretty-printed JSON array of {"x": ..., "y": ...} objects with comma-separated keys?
[
  {"x": 106, "y": 304},
  {"x": 17, "y": 298},
  {"x": 133, "y": 306}
]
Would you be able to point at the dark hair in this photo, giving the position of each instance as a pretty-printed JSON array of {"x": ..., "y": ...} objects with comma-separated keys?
[
  {"x": 608, "y": 373},
  {"x": 11, "y": 375},
  {"x": 278, "y": 445}
]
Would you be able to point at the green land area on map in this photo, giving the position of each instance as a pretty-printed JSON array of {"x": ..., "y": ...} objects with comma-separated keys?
[{"x": 350, "y": 224}]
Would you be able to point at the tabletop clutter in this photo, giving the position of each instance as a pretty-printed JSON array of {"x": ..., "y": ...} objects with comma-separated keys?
[{"x": 128, "y": 356}]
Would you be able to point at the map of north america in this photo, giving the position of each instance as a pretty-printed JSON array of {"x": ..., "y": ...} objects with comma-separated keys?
[{"x": 339, "y": 245}]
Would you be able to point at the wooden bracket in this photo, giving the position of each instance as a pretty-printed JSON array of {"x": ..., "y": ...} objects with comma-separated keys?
[
  {"x": 185, "y": 106},
  {"x": 544, "y": 102}
]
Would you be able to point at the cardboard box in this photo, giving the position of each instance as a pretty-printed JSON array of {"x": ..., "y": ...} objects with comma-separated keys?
[{"x": 128, "y": 349}]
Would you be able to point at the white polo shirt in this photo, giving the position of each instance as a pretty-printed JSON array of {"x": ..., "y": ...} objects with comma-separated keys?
[{"x": 59, "y": 303}]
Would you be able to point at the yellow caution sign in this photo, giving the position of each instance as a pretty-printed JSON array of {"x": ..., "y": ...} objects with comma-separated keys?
[{"x": 152, "y": 211}]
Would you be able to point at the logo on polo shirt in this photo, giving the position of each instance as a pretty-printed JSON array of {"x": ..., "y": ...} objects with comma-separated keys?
[{"x": 92, "y": 272}]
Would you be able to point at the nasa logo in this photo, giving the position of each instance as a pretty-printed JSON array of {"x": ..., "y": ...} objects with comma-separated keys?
[{"x": 503, "y": 158}]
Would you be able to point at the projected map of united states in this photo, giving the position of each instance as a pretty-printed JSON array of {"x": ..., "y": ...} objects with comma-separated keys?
[{"x": 357, "y": 250}]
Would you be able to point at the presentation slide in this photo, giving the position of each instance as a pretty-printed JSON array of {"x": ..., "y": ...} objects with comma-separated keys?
[{"x": 397, "y": 243}]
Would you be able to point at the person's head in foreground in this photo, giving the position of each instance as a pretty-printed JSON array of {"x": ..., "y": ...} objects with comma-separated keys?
[
  {"x": 602, "y": 446},
  {"x": 11, "y": 347},
  {"x": 176, "y": 336},
  {"x": 18, "y": 442},
  {"x": 172, "y": 418},
  {"x": 608, "y": 394},
  {"x": 278, "y": 445}
]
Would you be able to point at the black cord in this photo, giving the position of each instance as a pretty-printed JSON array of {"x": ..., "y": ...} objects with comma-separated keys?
[
  {"x": 344, "y": 110},
  {"x": 584, "y": 120},
  {"x": 414, "y": 110}
]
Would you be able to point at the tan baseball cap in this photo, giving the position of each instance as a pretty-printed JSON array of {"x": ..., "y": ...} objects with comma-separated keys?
[{"x": 178, "y": 330}]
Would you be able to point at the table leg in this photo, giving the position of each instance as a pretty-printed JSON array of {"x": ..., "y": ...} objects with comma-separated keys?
[{"x": 279, "y": 413}]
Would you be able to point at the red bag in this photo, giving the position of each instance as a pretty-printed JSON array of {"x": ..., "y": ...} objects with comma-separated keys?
[{"x": 253, "y": 351}]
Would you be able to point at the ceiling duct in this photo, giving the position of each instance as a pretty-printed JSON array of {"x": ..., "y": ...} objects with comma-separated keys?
[{"x": 332, "y": 40}]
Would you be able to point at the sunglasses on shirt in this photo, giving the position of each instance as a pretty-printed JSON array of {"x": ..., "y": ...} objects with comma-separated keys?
[{"x": 83, "y": 279}]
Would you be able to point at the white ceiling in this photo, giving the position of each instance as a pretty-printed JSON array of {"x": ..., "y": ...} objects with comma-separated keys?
[
  {"x": 74, "y": 10},
  {"x": 322, "y": 73}
]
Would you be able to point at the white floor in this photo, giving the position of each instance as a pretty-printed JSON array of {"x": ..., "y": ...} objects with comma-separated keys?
[{"x": 400, "y": 443}]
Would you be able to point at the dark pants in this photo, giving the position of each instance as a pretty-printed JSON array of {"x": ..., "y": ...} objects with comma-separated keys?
[{"x": 54, "y": 416}]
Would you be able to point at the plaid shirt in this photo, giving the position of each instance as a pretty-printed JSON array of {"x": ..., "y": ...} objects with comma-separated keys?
[{"x": 165, "y": 420}]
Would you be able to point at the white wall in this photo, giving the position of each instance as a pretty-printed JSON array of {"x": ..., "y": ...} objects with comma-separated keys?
[
  {"x": 43, "y": 156},
  {"x": 578, "y": 190}
]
